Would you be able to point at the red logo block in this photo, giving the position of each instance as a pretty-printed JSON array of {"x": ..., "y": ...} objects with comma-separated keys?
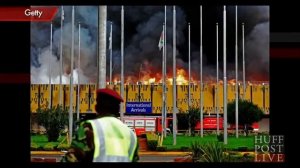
[{"x": 32, "y": 14}]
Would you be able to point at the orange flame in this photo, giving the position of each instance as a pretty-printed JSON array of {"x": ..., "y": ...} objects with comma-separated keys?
[
  {"x": 180, "y": 78},
  {"x": 146, "y": 78},
  {"x": 231, "y": 82},
  {"x": 152, "y": 80}
]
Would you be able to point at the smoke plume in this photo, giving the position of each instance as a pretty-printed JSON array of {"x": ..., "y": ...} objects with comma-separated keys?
[{"x": 142, "y": 57}]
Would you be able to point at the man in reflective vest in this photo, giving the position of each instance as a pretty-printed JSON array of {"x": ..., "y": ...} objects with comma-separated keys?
[{"x": 105, "y": 138}]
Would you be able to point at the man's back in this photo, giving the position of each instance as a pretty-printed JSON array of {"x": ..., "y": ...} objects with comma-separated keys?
[
  {"x": 112, "y": 138},
  {"x": 106, "y": 138}
]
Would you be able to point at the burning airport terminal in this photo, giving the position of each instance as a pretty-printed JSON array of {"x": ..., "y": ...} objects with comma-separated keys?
[{"x": 143, "y": 66}]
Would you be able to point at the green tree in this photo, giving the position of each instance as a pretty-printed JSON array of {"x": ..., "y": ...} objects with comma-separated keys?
[
  {"x": 54, "y": 120},
  {"x": 248, "y": 113},
  {"x": 188, "y": 119},
  {"x": 182, "y": 118},
  {"x": 193, "y": 117}
]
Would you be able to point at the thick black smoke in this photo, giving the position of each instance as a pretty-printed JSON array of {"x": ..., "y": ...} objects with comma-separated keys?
[
  {"x": 257, "y": 43},
  {"x": 143, "y": 26},
  {"x": 142, "y": 55},
  {"x": 256, "y": 19},
  {"x": 257, "y": 33}
]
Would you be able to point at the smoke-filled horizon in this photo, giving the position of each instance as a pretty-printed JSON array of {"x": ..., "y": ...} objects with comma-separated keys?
[{"x": 142, "y": 57}]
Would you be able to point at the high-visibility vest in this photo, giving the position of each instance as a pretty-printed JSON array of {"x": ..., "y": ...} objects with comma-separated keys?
[{"x": 113, "y": 140}]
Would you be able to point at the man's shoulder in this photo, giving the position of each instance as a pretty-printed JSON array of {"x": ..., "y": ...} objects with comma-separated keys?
[{"x": 83, "y": 129}]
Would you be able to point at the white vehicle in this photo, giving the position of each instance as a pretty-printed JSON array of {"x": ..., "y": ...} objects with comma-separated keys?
[{"x": 168, "y": 131}]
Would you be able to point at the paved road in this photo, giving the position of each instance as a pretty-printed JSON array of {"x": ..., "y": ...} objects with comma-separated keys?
[
  {"x": 46, "y": 158},
  {"x": 143, "y": 158},
  {"x": 158, "y": 158}
]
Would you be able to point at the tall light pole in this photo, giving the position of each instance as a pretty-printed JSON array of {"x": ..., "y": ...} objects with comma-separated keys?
[
  {"x": 243, "y": 48},
  {"x": 189, "y": 87},
  {"x": 163, "y": 85},
  {"x": 174, "y": 77},
  {"x": 71, "y": 79},
  {"x": 217, "y": 86},
  {"x": 225, "y": 77},
  {"x": 78, "y": 73},
  {"x": 236, "y": 79},
  {"x": 201, "y": 76},
  {"x": 165, "y": 72},
  {"x": 60, "y": 57},
  {"x": 122, "y": 63},
  {"x": 102, "y": 47},
  {"x": 50, "y": 70},
  {"x": 110, "y": 55}
]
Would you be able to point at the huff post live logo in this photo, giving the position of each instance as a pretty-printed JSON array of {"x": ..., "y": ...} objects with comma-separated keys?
[{"x": 269, "y": 148}]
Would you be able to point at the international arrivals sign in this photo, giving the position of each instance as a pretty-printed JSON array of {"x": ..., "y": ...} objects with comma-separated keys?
[{"x": 139, "y": 107}]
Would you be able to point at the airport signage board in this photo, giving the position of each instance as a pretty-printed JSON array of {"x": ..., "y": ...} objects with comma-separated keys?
[{"x": 138, "y": 107}]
